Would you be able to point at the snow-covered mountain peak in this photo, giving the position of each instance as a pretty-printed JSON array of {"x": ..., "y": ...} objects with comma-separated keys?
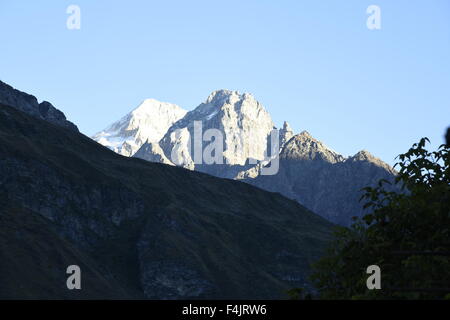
[
  {"x": 150, "y": 105},
  {"x": 222, "y": 96},
  {"x": 153, "y": 116},
  {"x": 147, "y": 122},
  {"x": 242, "y": 120}
]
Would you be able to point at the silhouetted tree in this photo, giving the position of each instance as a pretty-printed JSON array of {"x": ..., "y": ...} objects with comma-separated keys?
[{"x": 407, "y": 234}]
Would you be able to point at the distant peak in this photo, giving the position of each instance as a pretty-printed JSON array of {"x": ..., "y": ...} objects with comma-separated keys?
[
  {"x": 151, "y": 101},
  {"x": 220, "y": 97},
  {"x": 151, "y": 105},
  {"x": 366, "y": 156},
  {"x": 363, "y": 155},
  {"x": 304, "y": 138},
  {"x": 304, "y": 146},
  {"x": 305, "y": 134}
]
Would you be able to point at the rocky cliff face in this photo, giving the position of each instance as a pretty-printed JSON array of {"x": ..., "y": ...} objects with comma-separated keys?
[
  {"x": 310, "y": 172},
  {"x": 140, "y": 229},
  {"x": 286, "y": 134},
  {"x": 152, "y": 152},
  {"x": 148, "y": 122},
  {"x": 244, "y": 125},
  {"x": 29, "y": 104},
  {"x": 304, "y": 147},
  {"x": 320, "y": 179}
]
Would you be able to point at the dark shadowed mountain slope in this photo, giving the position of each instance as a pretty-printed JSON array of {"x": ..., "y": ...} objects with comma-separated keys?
[
  {"x": 29, "y": 104},
  {"x": 157, "y": 231},
  {"x": 322, "y": 180},
  {"x": 34, "y": 256}
]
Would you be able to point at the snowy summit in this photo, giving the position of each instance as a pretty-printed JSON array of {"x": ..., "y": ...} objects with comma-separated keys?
[{"x": 148, "y": 122}]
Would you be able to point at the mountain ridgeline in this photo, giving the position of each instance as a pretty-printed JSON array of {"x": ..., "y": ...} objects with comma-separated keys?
[
  {"x": 29, "y": 104},
  {"x": 137, "y": 229},
  {"x": 322, "y": 180}
]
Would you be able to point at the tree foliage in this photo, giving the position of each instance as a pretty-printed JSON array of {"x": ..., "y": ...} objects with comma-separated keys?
[{"x": 407, "y": 234}]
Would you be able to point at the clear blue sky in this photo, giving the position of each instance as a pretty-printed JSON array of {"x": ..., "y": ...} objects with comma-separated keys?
[{"x": 313, "y": 63}]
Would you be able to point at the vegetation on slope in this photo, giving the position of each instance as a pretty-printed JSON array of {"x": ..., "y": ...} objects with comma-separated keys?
[{"x": 407, "y": 235}]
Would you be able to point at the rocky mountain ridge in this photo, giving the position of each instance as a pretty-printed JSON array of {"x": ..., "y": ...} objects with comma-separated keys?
[
  {"x": 320, "y": 179},
  {"x": 29, "y": 104},
  {"x": 245, "y": 127}
]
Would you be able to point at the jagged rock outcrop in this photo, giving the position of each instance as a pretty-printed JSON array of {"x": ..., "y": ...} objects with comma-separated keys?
[
  {"x": 244, "y": 125},
  {"x": 310, "y": 172},
  {"x": 152, "y": 152},
  {"x": 28, "y": 103},
  {"x": 304, "y": 147},
  {"x": 285, "y": 133},
  {"x": 321, "y": 179},
  {"x": 148, "y": 122}
]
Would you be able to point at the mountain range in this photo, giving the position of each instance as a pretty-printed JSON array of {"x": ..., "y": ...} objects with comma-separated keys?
[
  {"x": 137, "y": 229},
  {"x": 309, "y": 172}
]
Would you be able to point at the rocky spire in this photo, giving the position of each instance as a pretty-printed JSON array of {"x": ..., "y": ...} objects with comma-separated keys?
[{"x": 286, "y": 133}]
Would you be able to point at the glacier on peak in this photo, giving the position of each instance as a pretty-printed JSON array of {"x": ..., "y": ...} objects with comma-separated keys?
[{"x": 147, "y": 122}]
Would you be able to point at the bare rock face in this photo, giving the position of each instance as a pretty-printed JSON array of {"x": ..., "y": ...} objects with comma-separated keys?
[
  {"x": 244, "y": 125},
  {"x": 29, "y": 104},
  {"x": 152, "y": 152},
  {"x": 321, "y": 179},
  {"x": 304, "y": 147},
  {"x": 286, "y": 133},
  {"x": 309, "y": 172},
  {"x": 148, "y": 122}
]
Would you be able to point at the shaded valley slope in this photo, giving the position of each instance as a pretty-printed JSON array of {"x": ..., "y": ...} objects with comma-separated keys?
[{"x": 139, "y": 229}]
